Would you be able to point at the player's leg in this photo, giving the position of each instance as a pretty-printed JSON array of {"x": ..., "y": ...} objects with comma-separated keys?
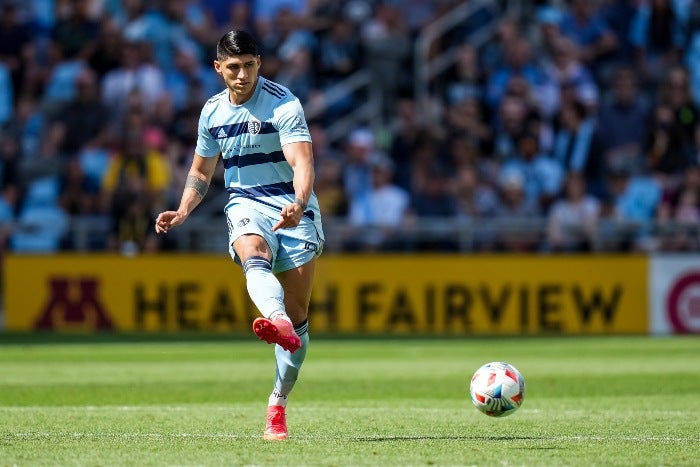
[
  {"x": 296, "y": 264},
  {"x": 254, "y": 248},
  {"x": 266, "y": 292},
  {"x": 297, "y": 287}
]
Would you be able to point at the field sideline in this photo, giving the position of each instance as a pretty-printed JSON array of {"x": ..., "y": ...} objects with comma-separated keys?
[{"x": 604, "y": 401}]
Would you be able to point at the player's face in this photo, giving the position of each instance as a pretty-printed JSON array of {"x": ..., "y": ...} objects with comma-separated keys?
[{"x": 240, "y": 73}]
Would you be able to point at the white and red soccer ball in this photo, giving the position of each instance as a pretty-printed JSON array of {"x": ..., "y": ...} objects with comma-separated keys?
[{"x": 497, "y": 389}]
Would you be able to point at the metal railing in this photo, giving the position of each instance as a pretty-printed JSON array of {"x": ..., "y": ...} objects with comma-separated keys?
[
  {"x": 368, "y": 112},
  {"x": 427, "y": 67},
  {"x": 209, "y": 235}
]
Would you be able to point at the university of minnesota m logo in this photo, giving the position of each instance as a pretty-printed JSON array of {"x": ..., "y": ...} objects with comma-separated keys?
[{"x": 74, "y": 304}]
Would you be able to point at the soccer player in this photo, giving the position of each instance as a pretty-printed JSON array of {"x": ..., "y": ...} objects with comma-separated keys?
[{"x": 274, "y": 223}]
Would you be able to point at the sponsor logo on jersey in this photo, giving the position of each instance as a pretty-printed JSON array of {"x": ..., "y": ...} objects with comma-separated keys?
[{"x": 243, "y": 222}]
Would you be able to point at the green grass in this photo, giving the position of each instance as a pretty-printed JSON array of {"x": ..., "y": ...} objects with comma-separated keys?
[{"x": 632, "y": 401}]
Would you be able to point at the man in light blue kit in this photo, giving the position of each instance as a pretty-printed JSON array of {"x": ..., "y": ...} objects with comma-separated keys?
[{"x": 259, "y": 130}]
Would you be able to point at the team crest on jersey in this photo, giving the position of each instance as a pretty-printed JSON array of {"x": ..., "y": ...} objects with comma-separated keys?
[{"x": 254, "y": 127}]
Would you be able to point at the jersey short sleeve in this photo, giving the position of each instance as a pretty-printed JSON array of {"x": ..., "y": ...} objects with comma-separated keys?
[
  {"x": 207, "y": 146},
  {"x": 291, "y": 123}
]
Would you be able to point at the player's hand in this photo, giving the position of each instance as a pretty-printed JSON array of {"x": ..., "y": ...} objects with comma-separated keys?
[
  {"x": 289, "y": 217},
  {"x": 167, "y": 220}
]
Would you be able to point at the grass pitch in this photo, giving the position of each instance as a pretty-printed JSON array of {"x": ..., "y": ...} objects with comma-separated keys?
[{"x": 627, "y": 401}]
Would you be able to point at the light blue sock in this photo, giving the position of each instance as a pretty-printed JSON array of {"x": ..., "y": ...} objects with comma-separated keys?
[
  {"x": 263, "y": 287},
  {"x": 288, "y": 366}
]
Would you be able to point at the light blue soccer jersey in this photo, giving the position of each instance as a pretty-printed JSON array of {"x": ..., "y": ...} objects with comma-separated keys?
[{"x": 249, "y": 138}]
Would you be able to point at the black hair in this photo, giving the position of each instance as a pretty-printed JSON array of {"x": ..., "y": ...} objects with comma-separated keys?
[{"x": 234, "y": 43}]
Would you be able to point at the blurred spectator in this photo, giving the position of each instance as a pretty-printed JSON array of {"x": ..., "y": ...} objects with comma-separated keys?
[
  {"x": 134, "y": 75},
  {"x": 675, "y": 92},
  {"x": 666, "y": 152},
  {"x": 516, "y": 209},
  {"x": 633, "y": 199},
  {"x": 286, "y": 38},
  {"x": 518, "y": 62},
  {"x": 338, "y": 52},
  {"x": 672, "y": 130},
  {"x": 26, "y": 130},
  {"x": 322, "y": 147},
  {"x": 407, "y": 130},
  {"x": 380, "y": 213},
  {"x": 574, "y": 140},
  {"x": 547, "y": 32},
  {"x": 297, "y": 73},
  {"x": 565, "y": 70},
  {"x": 572, "y": 222},
  {"x": 75, "y": 33},
  {"x": 328, "y": 186},
  {"x": 41, "y": 224},
  {"x": 623, "y": 118},
  {"x": 424, "y": 159},
  {"x": 511, "y": 120},
  {"x": 7, "y": 96},
  {"x": 618, "y": 15},
  {"x": 465, "y": 81},
  {"x": 466, "y": 118},
  {"x": 583, "y": 23},
  {"x": 387, "y": 45},
  {"x": 474, "y": 197},
  {"x": 265, "y": 12},
  {"x": 228, "y": 14},
  {"x": 10, "y": 159},
  {"x": 107, "y": 52},
  {"x": 657, "y": 33},
  {"x": 432, "y": 198},
  {"x": 680, "y": 204},
  {"x": 133, "y": 189},
  {"x": 493, "y": 54},
  {"x": 359, "y": 149},
  {"x": 188, "y": 80},
  {"x": 17, "y": 46},
  {"x": 81, "y": 122},
  {"x": 9, "y": 202},
  {"x": 542, "y": 176},
  {"x": 79, "y": 194}
]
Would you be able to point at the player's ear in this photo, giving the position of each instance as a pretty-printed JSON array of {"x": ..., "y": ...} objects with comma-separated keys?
[{"x": 217, "y": 66}]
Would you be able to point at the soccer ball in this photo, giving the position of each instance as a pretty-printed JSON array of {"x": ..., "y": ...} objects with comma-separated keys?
[{"x": 497, "y": 389}]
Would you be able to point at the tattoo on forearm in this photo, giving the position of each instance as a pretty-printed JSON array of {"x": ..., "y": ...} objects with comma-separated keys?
[{"x": 197, "y": 184}]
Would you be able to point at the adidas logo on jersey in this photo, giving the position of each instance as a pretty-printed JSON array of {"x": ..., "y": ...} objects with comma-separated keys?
[{"x": 221, "y": 133}]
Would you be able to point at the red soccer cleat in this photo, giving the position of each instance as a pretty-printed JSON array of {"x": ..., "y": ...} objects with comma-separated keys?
[
  {"x": 276, "y": 426},
  {"x": 278, "y": 331}
]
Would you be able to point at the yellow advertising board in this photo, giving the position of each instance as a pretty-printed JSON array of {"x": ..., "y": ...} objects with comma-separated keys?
[{"x": 396, "y": 294}]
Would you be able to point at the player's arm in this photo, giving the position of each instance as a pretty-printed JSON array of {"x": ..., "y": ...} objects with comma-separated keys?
[
  {"x": 300, "y": 157},
  {"x": 196, "y": 186}
]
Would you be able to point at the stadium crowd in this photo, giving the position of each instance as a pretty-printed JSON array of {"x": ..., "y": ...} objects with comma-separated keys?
[{"x": 576, "y": 112}]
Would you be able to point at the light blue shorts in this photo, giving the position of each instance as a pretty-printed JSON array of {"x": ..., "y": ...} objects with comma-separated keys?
[{"x": 290, "y": 248}]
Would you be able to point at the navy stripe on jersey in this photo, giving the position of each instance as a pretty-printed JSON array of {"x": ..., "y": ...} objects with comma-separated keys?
[
  {"x": 274, "y": 90},
  {"x": 253, "y": 159},
  {"x": 276, "y": 189},
  {"x": 236, "y": 129}
]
